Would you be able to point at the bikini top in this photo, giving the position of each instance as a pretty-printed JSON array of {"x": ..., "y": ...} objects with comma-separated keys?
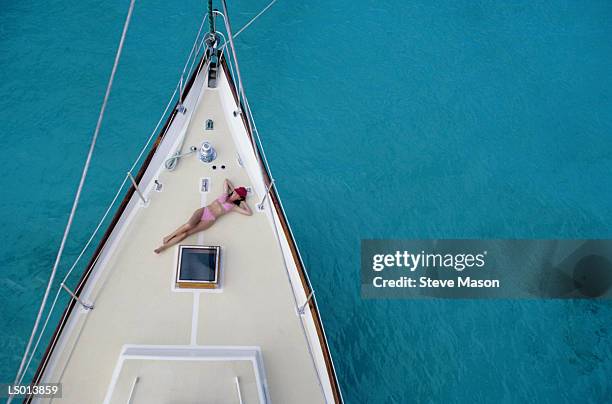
[{"x": 227, "y": 206}]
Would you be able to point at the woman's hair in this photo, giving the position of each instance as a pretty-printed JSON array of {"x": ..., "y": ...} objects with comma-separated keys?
[{"x": 238, "y": 201}]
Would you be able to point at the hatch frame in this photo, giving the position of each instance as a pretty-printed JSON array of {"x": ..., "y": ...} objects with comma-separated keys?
[{"x": 198, "y": 284}]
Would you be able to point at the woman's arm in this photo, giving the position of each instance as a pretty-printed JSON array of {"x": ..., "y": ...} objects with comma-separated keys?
[
  {"x": 227, "y": 186},
  {"x": 243, "y": 209}
]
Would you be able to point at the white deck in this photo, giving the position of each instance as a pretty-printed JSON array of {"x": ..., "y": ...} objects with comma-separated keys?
[{"x": 136, "y": 302}]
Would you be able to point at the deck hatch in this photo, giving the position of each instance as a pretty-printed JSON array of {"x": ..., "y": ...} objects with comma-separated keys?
[{"x": 198, "y": 267}]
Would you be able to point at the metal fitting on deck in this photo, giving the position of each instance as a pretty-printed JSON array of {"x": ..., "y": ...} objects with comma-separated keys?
[{"x": 207, "y": 152}]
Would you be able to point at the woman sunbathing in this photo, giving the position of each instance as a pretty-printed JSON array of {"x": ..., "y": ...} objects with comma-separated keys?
[{"x": 233, "y": 199}]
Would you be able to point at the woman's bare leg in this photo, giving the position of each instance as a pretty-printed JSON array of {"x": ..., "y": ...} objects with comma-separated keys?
[
  {"x": 174, "y": 240},
  {"x": 183, "y": 229},
  {"x": 191, "y": 223},
  {"x": 203, "y": 225}
]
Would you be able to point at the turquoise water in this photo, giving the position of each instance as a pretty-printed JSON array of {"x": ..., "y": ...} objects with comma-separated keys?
[{"x": 380, "y": 120}]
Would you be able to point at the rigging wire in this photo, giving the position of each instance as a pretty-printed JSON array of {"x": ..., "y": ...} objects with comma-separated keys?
[
  {"x": 94, "y": 233},
  {"x": 79, "y": 190},
  {"x": 254, "y": 18}
]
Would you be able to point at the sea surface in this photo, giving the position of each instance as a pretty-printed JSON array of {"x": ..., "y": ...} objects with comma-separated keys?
[{"x": 380, "y": 119}]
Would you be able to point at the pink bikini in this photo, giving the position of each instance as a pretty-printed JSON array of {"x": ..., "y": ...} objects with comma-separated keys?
[{"x": 227, "y": 206}]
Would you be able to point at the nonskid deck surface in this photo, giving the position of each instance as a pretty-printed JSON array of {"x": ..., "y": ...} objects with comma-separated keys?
[{"x": 136, "y": 303}]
